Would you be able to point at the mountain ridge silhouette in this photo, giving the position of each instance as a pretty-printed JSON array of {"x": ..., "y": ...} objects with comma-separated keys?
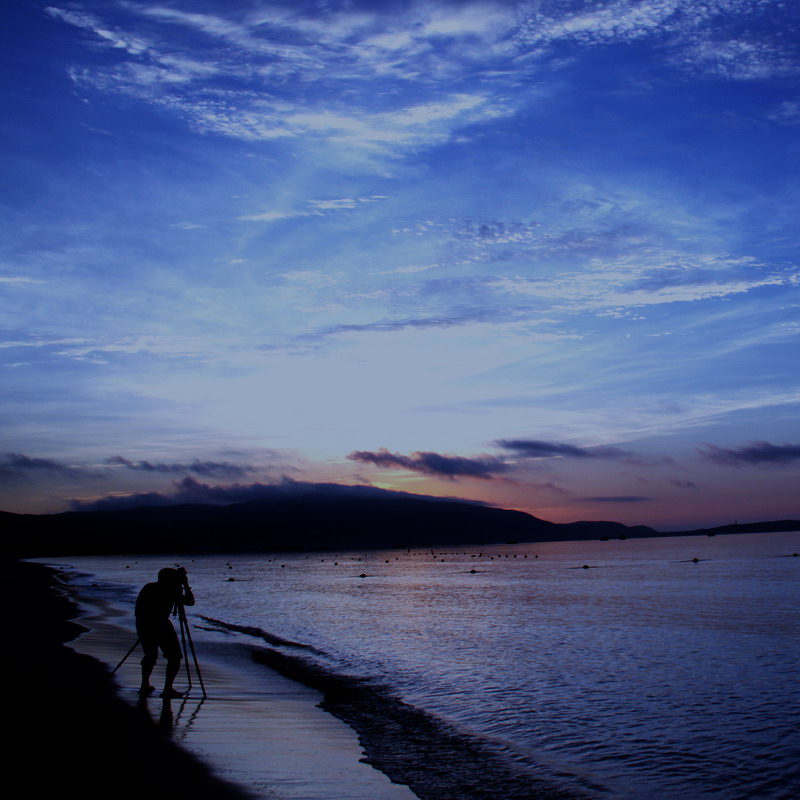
[{"x": 313, "y": 520}]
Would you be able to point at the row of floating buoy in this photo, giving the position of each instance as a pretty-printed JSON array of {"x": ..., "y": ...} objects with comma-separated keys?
[
  {"x": 442, "y": 560},
  {"x": 694, "y": 560}
]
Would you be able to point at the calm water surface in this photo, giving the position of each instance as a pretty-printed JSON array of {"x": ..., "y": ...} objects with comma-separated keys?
[{"x": 645, "y": 675}]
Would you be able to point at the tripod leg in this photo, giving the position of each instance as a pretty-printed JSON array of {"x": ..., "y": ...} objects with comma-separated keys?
[
  {"x": 194, "y": 654},
  {"x": 125, "y": 658},
  {"x": 183, "y": 625}
]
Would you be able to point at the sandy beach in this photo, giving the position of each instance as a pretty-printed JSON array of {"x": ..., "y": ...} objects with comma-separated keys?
[
  {"x": 256, "y": 734},
  {"x": 68, "y": 728}
]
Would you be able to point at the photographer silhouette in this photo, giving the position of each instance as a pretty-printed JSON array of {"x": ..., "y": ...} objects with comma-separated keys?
[{"x": 155, "y": 603}]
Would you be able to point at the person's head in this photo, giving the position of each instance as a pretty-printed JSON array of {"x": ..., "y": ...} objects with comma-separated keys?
[{"x": 169, "y": 576}]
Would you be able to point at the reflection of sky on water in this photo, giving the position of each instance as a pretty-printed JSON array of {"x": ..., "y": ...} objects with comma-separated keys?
[{"x": 646, "y": 673}]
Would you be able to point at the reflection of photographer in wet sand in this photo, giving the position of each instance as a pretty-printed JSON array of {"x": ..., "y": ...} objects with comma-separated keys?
[{"x": 153, "y": 606}]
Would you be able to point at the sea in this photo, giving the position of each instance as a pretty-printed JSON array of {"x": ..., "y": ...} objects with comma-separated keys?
[{"x": 632, "y": 668}]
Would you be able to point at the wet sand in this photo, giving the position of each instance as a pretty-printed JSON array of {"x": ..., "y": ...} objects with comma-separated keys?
[{"x": 256, "y": 734}]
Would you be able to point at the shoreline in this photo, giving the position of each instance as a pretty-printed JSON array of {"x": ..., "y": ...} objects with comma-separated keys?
[
  {"x": 110, "y": 609},
  {"x": 69, "y": 728},
  {"x": 260, "y": 734},
  {"x": 431, "y": 756},
  {"x": 269, "y": 705}
]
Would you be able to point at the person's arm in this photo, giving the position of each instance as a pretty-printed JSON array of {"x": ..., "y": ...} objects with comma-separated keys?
[{"x": 186, "y": 596}]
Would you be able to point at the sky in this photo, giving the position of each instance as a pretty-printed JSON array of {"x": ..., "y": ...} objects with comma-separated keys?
[{"x": 539, "y": 254}]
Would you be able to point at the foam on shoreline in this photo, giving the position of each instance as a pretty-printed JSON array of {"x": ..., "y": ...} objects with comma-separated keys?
[{"x": 434, "y": 758}]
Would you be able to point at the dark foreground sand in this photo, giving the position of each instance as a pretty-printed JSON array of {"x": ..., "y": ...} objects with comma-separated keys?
[{"x": 68, "y": 732}]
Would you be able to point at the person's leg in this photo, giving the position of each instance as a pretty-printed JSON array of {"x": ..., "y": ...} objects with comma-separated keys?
[
  {"x": 150, "y": 648},
  {"x": 171, "y": 649},
  {"x": 173, "y": 667}
]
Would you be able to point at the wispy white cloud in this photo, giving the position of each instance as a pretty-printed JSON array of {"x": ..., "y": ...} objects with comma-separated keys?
[
  {"x": 234, "y": 84},
  {"x": 411, "y": 269},
  {"x": 248, "y": 116},
  {"x": 83, "y": 348},
  {"x": 211, "y": 24},
  {"x": 18, "y": 280},
  {"x": 620, "y": 20},
  {"x": 632, "y": 283},
  {"x": 411, "y": 126},
  {"x": 41, "y": 342},
  {"x": 272, "y": 216},
  {"x": 311, "y": 277},
  {"x": 186, "y": 226},
  {"x": 315, "y": 208},
  {"x": 640, "y": 416},
  {"x": 787, "y": 113},
  {"x": 738, "y": 59},
  {"x": 699, "y": 37},
  {"x": 131, "y": 43}
]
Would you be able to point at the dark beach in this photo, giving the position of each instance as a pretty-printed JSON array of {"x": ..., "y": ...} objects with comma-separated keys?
[{"x": 68, "y": 729}]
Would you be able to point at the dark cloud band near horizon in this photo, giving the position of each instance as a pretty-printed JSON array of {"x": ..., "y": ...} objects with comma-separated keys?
[
  {"x": 204, "y": 468},
  {"x": 15, "y": 466},
  {"x": 536, "y": 448},
  {"x": 436, "y": 464},
  {"x": 755, "y": 453}
]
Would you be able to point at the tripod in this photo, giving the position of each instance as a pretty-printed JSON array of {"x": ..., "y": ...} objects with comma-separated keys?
[{"x": 186, "y": 636}]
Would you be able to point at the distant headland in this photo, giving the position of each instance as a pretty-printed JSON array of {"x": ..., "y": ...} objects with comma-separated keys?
[{"x": 315, "y": 520}]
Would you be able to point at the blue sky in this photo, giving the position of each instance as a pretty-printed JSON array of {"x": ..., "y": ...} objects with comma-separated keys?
[{"x": 540, "y": 254}]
